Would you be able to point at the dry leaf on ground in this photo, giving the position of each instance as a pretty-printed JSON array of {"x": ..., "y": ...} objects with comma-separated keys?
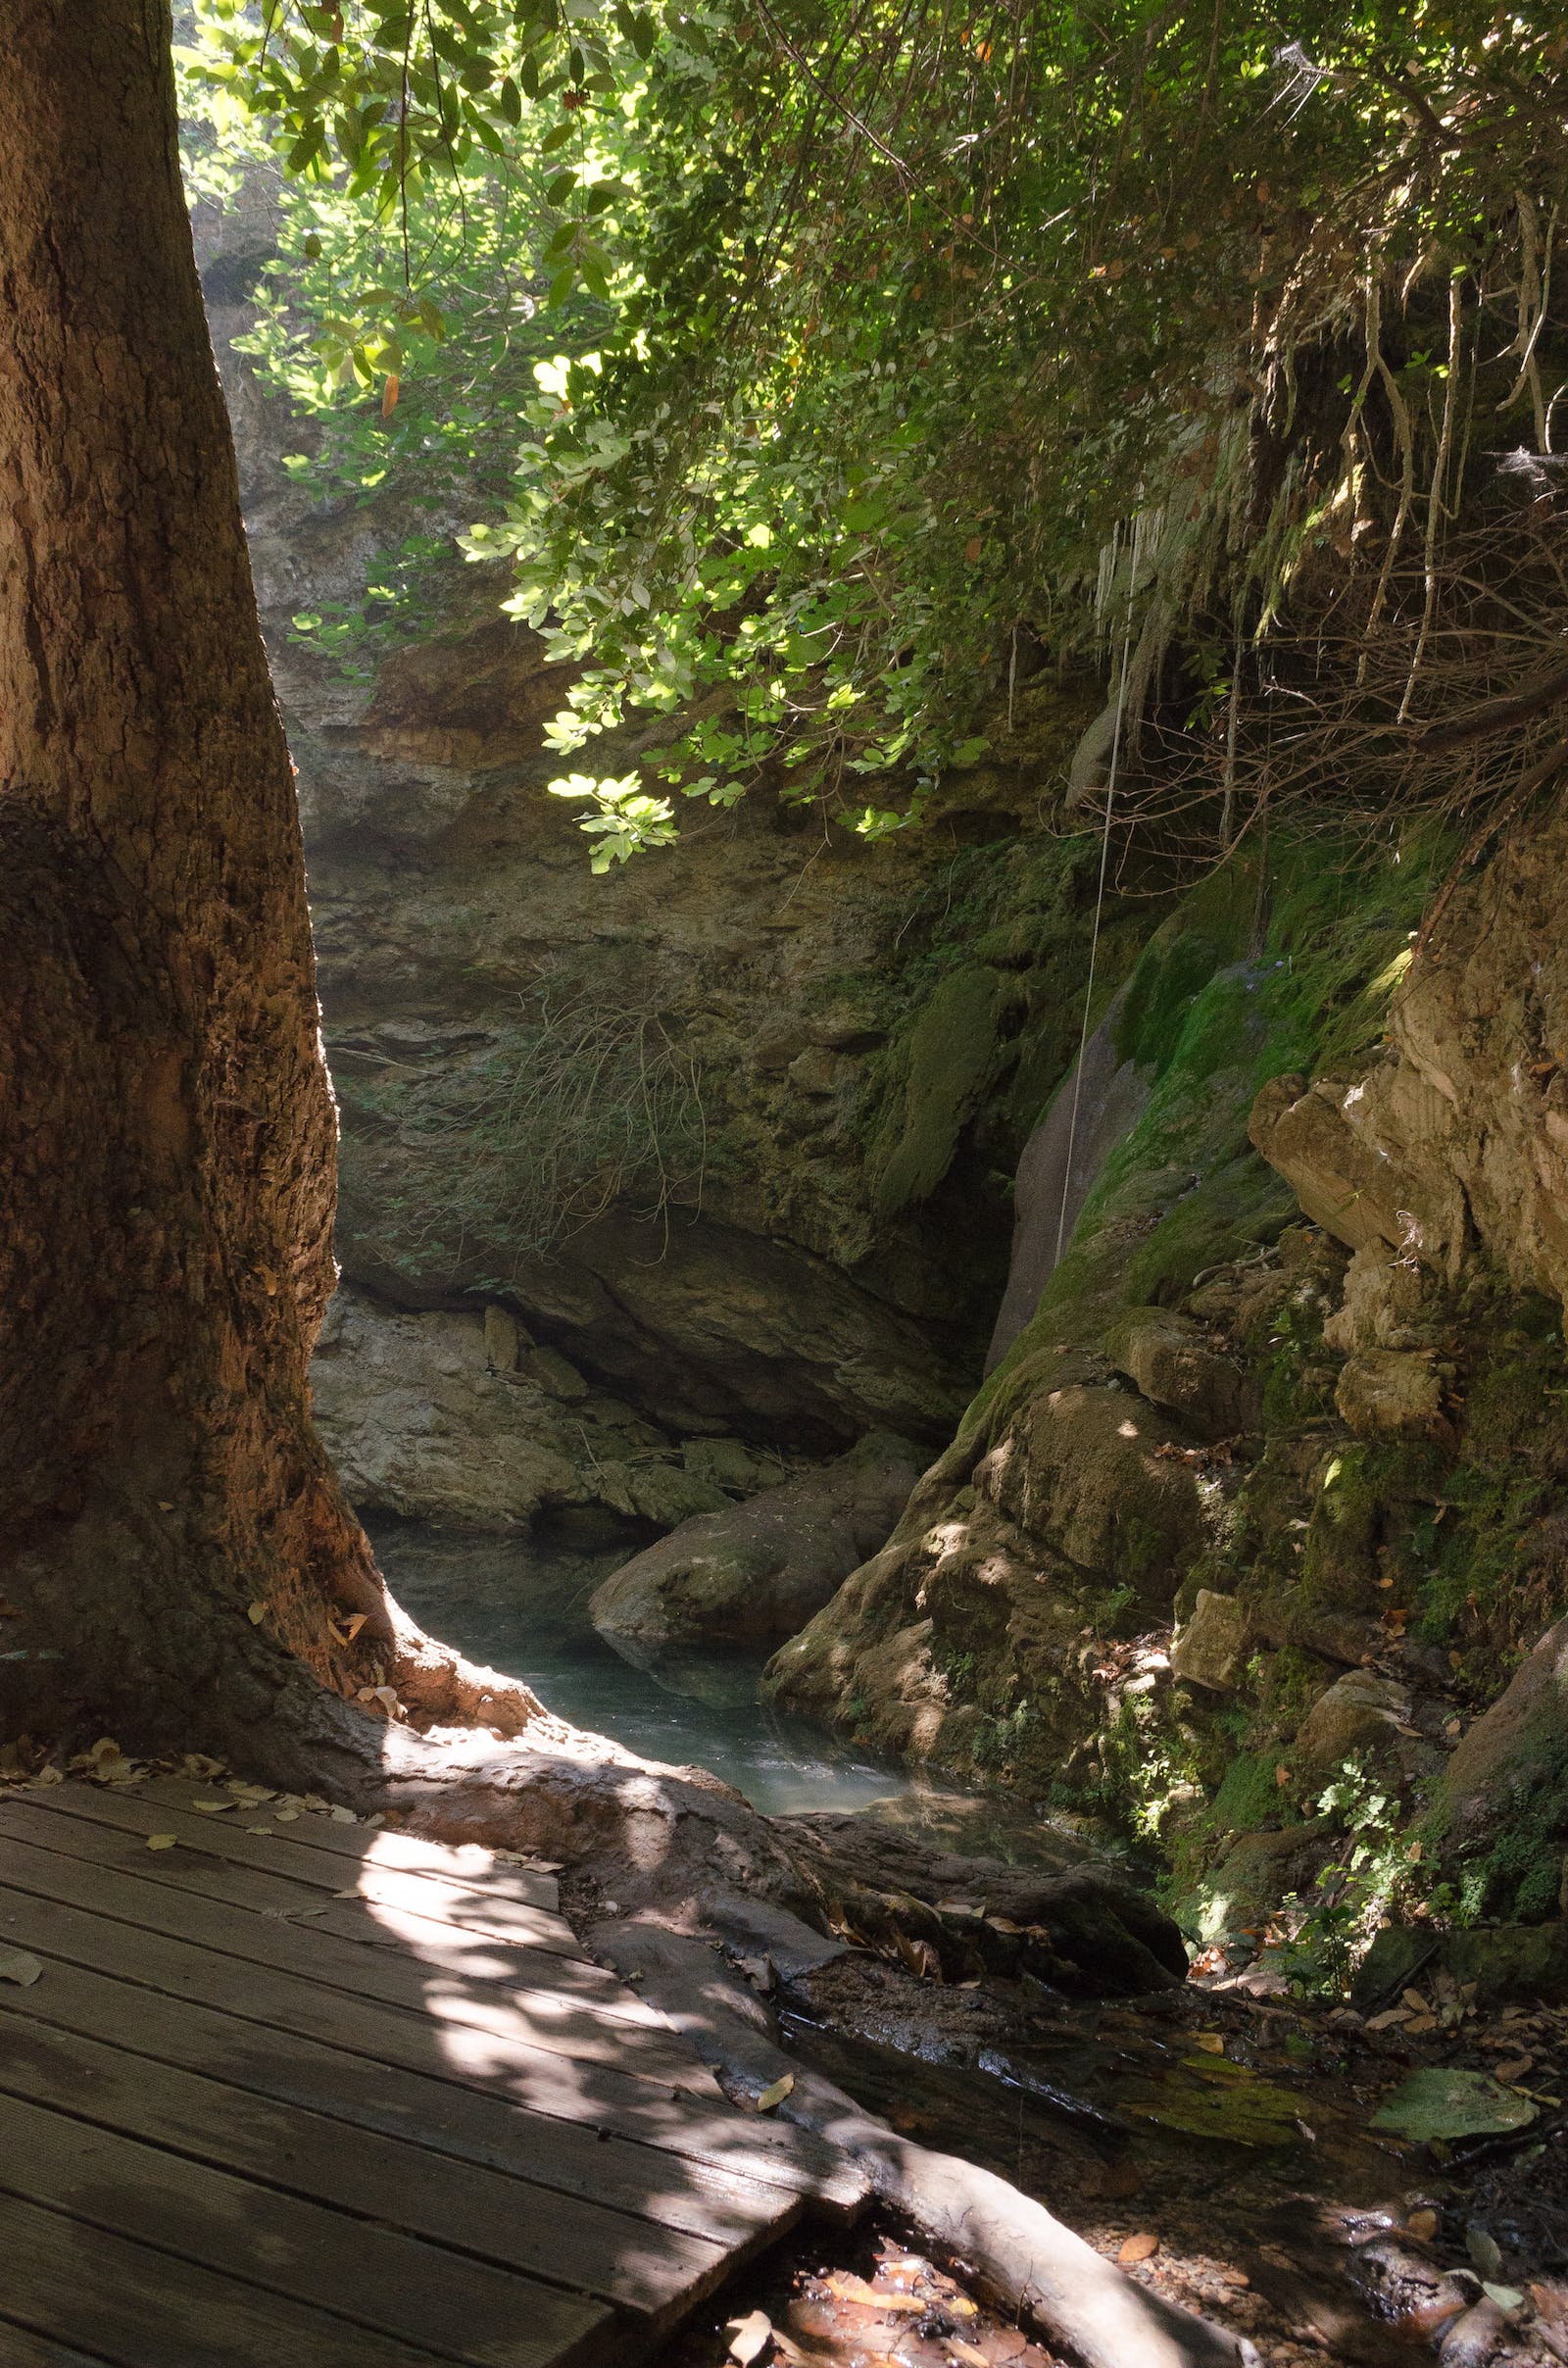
[
  {"x": 748, "y": 2338},
  {"x": 1141, "y": 2248},
  {"x": 775, "y": 2092},
  {"x": 162, "y": 1841},
  {"x": 855, "y": 2290},
  {"x": 16, "y": 1965}
]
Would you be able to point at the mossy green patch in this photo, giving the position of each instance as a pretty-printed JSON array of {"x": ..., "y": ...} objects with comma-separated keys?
[{"x": 949, "y": 1055}]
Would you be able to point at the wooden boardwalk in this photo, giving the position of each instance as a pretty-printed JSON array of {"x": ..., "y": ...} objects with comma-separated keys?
[{"x": 316, "y": 2095}]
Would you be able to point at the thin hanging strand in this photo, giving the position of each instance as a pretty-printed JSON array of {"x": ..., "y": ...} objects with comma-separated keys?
[{"x": 1094, "y": 942}]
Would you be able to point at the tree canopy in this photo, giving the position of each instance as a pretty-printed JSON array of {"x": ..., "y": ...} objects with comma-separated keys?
[{"x": 863, "y": 352}]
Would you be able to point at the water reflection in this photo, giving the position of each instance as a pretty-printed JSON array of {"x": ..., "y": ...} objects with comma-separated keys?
[{"x": 520, "y": 1603}]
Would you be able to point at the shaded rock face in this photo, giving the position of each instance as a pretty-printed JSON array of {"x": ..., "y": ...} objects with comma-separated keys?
[
  {"x": 1233, "y": 1542},
  {"x": 752, "y": 1574},
  {"x": 500, "y": 1022},
  {"x": 460, "y": 1418},
  {"x": 1005, "y": 1559},
  {"x": 1461, "y": 1130},
  {"x": 699, "y": 1124},
  {"x": 1453, "y": 1149}
]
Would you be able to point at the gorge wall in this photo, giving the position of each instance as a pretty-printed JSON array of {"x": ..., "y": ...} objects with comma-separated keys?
[{"x": 659, "y": 1186}]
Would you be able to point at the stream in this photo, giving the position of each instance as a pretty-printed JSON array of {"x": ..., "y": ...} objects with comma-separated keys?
[
  {"x": 518, "y": 1603},
  {"x": 1221, "y": 2144}
]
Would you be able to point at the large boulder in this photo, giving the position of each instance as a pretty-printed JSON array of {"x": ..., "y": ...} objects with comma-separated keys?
[
  {"x": 1176, "y": 1363},
  {"x": 460, "y": 1418},
  {"x": 756, "y": 1572},
  {"x": 1395, "y": 1392}
]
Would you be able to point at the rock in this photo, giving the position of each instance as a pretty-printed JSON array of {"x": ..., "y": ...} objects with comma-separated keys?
[
  {"x": 754, "y": 1573},
  {"x": 1506, "y": 1783},
  {"x": 1394, "y": 1391},
  {"x": 1175, "y": 1363},
  {"x": 1110, "y": 1095},
  {"x": 1383, "y": 1299},
  {"x": 1258, "y": 1869},
  {"x": 1459, "y": 1128},
  {"x": 730, "y": 1464},
  {"x": 1360, "y": 1712},
  {"x": 820, "y": 1071},
  {"x": 1526, "y": 1963},
  {"x": 423, "y": 1416},
  {"x": 1091, "y": 1468},
  {"x": 503, "y": 1339},
  {"x": 555, "y": 1373},
  {"x": 1207, "y": 1647}
]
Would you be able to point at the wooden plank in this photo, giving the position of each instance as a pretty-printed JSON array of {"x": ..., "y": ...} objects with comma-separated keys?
[
  {"x": 475, "y": 2053},
  {"x": 540, "y": 2236},
  {"x": 422, "y": 1928},
  {"x": 317, "y": 1829},
  {"x": 586, "y": 2030},
  {"x": 137, "y": 2308},
  {"x": 168, "y": 2023},
  {"x": 377, "y": 2278},
  {"x": 472, "y": 1906},
  {"x": 19, "y": 2347}
]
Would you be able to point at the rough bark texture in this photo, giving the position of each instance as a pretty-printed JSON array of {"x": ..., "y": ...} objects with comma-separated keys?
[{"x": 165, "y": 1126}]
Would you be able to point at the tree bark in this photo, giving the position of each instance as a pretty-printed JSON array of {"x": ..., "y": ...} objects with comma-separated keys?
[{"x": 172, "y": 1544}]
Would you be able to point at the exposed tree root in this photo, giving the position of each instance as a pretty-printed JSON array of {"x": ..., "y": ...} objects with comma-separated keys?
[{"x": 1028, "y": 2260}]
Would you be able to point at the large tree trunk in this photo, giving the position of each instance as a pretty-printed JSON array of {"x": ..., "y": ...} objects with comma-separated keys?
[{"x": 172, "y": 1542}]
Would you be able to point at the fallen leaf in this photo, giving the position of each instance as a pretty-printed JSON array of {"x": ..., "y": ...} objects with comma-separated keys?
[
  {"x": 256, "y": 1612},
  {"x": 775, "y": 2092},
  {"x": 748, "y": 2338},
  {"x": 162, "y": 1841},
  {"x": 342, "y": 1816},
  {"x": 346, "y": 1894},
  {"x": 1141, "y": 2248},
  {"x": 845, "y": 2288},
  {"x": 1210, "y": 2042},
  {"x": 1423, "y": 2224},
  {"x": 209, "y": 1809},
  {"x": 16, "y": 1965},
  {"x": 1415, "y": 2001},
  {"x": 1507, "y": 2297},
  {"x": 1441, "y": 2102},
  {"x": 1389, "y": 2016},
  {"x": 286, "y": 1816},
  {"x": 1484, "y": 2252},
  {"x": 1514, "y": 2069}
]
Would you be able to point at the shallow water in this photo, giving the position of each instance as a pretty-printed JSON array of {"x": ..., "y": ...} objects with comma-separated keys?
[{"x": 519, "y": 1604}]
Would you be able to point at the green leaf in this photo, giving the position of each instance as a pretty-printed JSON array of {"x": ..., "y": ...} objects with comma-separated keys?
[
  {"x": 1440, "y": 2101},
  {"x": 557, "y": 138}
]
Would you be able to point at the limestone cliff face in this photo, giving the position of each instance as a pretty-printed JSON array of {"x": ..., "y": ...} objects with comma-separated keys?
[
  {"x": 1450, "y": 1153},
  {"x": 1250, "y": 1498},
  {"x": 728, "y": 1129}
]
